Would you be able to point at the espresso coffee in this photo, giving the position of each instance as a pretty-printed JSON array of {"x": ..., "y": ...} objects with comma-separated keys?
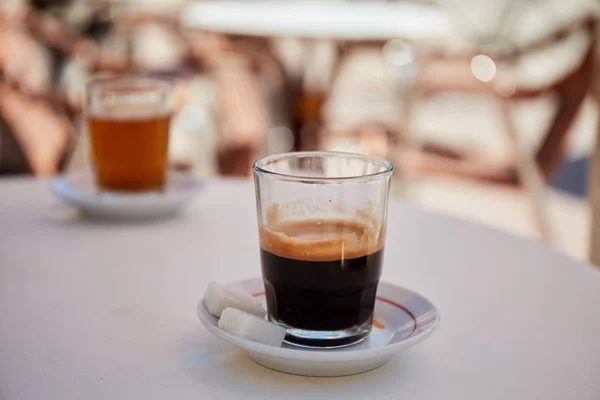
[{"x": 321, "y": 275}]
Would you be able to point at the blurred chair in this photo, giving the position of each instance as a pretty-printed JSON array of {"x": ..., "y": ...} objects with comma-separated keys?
[
  {"x": 36, "y": 130},
  {"x": 441, "y": 73},
  {"x": 40, "y": 110},
  {"x": 242, "y": 114},
  {"x": 594, "y": 176},
  {"x": 371, "y": 125}
]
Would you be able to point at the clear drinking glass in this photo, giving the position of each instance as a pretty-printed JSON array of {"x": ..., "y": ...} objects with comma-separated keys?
[
  {"x": 322, "y": 224},
  {"x": 128, "y": 123}
]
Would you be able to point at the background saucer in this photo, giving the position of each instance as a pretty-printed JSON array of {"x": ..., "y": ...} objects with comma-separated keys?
[{"x": 79, "y": 190}]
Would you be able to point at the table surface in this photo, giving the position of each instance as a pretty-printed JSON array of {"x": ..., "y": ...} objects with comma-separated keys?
[
  {"x": 101, "y": 310},
  {"x": 318, "y": 20}
]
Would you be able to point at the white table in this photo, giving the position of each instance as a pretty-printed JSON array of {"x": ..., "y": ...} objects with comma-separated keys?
[
  {"x": 340, "y": 20},
  {"x": 107, "y": 311}
]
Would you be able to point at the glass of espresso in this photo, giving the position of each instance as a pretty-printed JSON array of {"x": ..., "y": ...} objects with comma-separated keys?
[
  {"x": 322, "y": 224},
  {"x": 128, "y": 124}
]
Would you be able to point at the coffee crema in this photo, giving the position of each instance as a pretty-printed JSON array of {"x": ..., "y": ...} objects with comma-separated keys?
[
  {"x": 321, "y": 274},
  {"x": 321, "y": 239}
]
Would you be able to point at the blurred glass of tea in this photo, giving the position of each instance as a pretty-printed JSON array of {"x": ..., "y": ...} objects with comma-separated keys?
[{"x": 128, "y": 124}]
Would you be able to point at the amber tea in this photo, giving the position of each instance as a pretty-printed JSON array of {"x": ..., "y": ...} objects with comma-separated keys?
[{"x": 128, "y": 124}]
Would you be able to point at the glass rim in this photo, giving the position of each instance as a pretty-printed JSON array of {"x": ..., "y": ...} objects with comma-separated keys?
[
  {"x": 124, "y": 85},
  {"x": 168, "y": 83},
  {"x": 259, "y": 167}
]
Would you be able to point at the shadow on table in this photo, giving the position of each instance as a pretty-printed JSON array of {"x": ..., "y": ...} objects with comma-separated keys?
[
  {"x": 215, "y": 363},
  {"x": 60, "y": 213}
]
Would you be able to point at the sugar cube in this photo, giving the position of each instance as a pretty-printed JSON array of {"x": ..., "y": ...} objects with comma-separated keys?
[
  {"x": 218, "y": 297},
  {"x": 251, "y": 327}
]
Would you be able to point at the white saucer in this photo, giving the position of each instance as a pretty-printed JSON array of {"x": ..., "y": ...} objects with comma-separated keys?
[
  {"x": 402, "y": 319},
  {"x": 79, "y": 190}
]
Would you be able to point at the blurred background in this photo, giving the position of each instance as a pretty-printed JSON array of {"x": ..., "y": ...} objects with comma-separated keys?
[{"x": 487, "y": 108}]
